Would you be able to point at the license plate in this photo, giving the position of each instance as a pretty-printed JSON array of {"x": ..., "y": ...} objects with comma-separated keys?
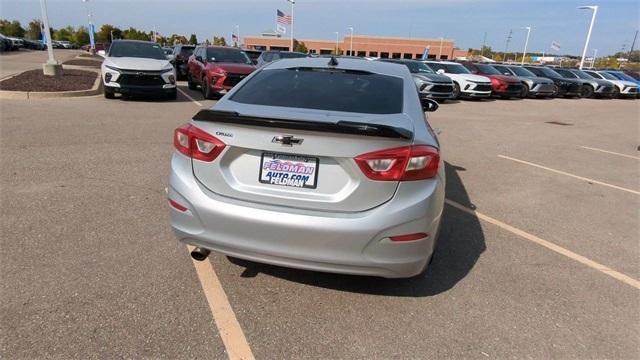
[{"x": 289, "y": 170}]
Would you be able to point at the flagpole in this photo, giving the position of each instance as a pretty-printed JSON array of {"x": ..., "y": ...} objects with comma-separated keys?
[{"x": 292, "y": 3}]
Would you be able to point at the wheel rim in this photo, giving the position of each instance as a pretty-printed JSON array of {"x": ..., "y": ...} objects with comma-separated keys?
[{"x": 456, "y": 91}]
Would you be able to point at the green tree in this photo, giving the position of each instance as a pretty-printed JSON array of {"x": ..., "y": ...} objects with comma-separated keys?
[
  {"x": 33, "y": 31},
  {"x": 104, "y": 35},
  {"x": 177, "y": 39},
  {"x": 219, "y": 41},
  {"x": 299, "y": 46},
  {"x": 64, "y": 34},
  {"x": 11, "y": 28},
  {"x": 81, "y": 35},
  {"x": 134, "y": 34},
  {"x": 193, "y": 40}
]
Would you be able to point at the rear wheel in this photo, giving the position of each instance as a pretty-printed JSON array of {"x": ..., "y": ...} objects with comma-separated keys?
[
  {"x": 456, "y": 90},
  {"x": 190, "y": 83},
  {"x": 587, "y": 91},
  {"x": 525, "y": 91}
]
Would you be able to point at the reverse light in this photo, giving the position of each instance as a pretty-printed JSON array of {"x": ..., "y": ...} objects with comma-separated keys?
[
  {"x": 197, "y": 143},
  {"x": 416, "y": 162}
]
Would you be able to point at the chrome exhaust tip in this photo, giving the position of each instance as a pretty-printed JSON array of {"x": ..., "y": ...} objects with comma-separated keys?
[{"x": 200, "y": 254}]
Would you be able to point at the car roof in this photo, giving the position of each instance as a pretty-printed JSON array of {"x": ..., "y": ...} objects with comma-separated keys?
[
  {"x": 445, "y": 62},
  {"x": 131, "y": 41},
  {"x": 344, "y": 63}
]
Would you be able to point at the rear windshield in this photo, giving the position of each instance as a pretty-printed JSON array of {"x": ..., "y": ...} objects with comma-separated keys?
[{"x": 324, "y": 89}]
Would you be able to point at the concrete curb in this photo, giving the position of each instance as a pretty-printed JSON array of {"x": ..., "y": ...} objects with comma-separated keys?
[{"x": 26, "y": 95}]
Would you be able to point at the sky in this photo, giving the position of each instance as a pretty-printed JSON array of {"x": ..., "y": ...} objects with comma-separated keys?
[{"x": 465, "y": 21}]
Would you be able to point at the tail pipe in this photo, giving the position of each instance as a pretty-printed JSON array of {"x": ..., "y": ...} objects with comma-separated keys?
[{"x": 200, "y": 254}]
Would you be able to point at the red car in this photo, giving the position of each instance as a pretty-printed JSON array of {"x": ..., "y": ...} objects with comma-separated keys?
[
  {"x": 217, "y": 69},
  {"x": 501, "y": 85}
]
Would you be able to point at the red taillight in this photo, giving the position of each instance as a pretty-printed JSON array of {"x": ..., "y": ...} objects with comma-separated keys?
[
  {"x": 409, "y": 237},
  {"x": 177, "y": 206},
  {"x": 407, "y": 163},
  {"x": 197, "y": 143}
]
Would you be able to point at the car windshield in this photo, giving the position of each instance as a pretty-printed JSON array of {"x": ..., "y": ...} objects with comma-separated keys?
[
  {"x": 291, "y": 55},
  {"x": 582, "y": 74},
  {"x": 228, "y": 56},
  {"x": 137, "y": 50},
  {"x": 549, "y": 72},
  {"x": 594, "y": 75},
  {"x": 450, "y": 68},
  {"x": 566, "y": 73},
  {"x": 623, "y": 76},
  {"x": 186, "y": 51},
  {"x": 324, "y": 89},
  {"x": 607, "y": 76},
  {"x": 417, "y": 67},
  {"x": 521, "y": 71},
  {"x": 488, "y": 69},
  {"x": 502, "y": 69}
]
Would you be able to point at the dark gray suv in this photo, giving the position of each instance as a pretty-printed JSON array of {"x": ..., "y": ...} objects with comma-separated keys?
[{"x": 430, "y": 85}]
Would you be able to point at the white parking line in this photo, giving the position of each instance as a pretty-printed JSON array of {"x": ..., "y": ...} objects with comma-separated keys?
[
  {"x": 230, "y": 331},
  {"x": 549, "y": 245},
  {"x": 189, "y": 97},
  {"x": 571, "y": 175},
  {"x": 611, "y": 152}
]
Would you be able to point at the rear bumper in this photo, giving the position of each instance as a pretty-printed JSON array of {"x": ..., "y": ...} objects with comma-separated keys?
[{"x": 350, "y": 243}]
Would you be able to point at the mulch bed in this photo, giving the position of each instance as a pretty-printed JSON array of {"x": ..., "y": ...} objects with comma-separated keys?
[
  {"x": 87, "y": 55},
  {"x": 83, "y": 62},
  {"x": 35, "y": 80}
]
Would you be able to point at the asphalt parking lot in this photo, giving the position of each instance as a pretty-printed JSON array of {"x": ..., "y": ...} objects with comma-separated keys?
[{"x": 538, "y": 256}]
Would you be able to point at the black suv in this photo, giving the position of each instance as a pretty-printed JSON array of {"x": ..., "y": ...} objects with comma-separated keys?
[
  {"x": 566, "y": 87},
  {"x": 181, "y": 55}
]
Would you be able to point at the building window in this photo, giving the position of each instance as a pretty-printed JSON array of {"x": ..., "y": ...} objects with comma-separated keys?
[
  {"x": 373, "y": 53},
  {"x": 312, "y": 51},
  {"x": 384, "y": 55},
  {"x": 326, "y": 51},
  {"x": 444, "y": 57},
  {"x": 396, "y": 55},
  {"x": 260, "y": 47},
  {"x": 431, "y": 56},
  {"x": 418, "y": 56},
  {"x": 280, "y": 48},
  {"x": 362, "y": 53},
  {"x": 407, "y": 56}
]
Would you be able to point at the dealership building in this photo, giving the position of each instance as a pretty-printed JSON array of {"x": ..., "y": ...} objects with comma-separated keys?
[{"x": 362, "y": 45}]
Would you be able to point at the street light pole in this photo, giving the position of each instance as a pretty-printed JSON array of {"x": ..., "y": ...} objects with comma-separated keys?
[
  {"x": 440, "y": 51},
  {"x": 292, "y": 21},
  {"x": 593, "y": 19},
  {"x": 351, "y": 44},
  {"x": 526, "y": 42},
  {"x": 337, "y": 36},
  {"x": 92, "y": 42},
  {"x": 51, "y": 67}
]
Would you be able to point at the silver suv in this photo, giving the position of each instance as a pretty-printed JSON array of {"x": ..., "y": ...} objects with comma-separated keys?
[{"x": 313, "y": 163}]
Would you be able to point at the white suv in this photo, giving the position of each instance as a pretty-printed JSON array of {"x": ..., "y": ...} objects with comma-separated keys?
[{"x": 464, "y": 82}]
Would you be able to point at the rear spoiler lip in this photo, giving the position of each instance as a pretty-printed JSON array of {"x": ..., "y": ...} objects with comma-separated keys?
[{"x": 341, "y": 127}]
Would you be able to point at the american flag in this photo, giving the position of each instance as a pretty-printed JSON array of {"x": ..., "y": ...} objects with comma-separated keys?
[
  {"x": 234, "y": 37},
  {"x": 283, "y": 18}
]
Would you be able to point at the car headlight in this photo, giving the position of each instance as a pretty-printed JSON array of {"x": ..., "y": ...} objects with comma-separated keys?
[
  {"x": 112, "y": 68},
  {"x": 167, "y": 69}
]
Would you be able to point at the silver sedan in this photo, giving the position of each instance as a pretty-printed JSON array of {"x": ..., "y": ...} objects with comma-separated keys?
[{"x": 325, "y": 164}]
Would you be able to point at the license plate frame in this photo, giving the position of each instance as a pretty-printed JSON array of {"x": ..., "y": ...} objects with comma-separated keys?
[{"x": 288, "y": 180}]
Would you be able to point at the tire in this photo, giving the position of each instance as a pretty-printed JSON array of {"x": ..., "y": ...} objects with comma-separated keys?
[
  {"x": 190, "y": 83},
  {"x": 616, "y": 92},
  {"x": 587, "y": 91},
  {"x": 109, "y": 94},
  {"x": 525, "y": 91},
  {"x": 456, "y": 91},
  {"x": 206, "y": 91},
  {"x": 172, "y": 95}
]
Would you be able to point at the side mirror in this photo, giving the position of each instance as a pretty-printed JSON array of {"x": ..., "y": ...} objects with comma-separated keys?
[
  {"x": 102, "y": 53},
  {"x": 171, "y": 58},
  {"x": 440, "y": 71},
  {"x": 430, "y": 105},
  {"x": 199, "y": 58}
]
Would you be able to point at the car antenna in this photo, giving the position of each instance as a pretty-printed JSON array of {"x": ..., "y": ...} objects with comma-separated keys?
[{"x": 333, "y": 61}]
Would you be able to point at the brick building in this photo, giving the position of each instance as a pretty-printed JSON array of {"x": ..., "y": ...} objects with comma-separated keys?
[{"x": 373, "y": 46}]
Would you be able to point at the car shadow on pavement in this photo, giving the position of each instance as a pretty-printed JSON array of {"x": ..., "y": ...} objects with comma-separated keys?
[{"x": 460, "y": 245}]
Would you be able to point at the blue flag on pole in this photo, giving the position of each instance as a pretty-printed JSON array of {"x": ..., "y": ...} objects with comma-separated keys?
[
  {"x": 425, "y": 54},
  {"x": 92, "y": 41}
]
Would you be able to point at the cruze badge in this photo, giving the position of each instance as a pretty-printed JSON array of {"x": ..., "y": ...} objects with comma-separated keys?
[{"x": 286, "y": 140}]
